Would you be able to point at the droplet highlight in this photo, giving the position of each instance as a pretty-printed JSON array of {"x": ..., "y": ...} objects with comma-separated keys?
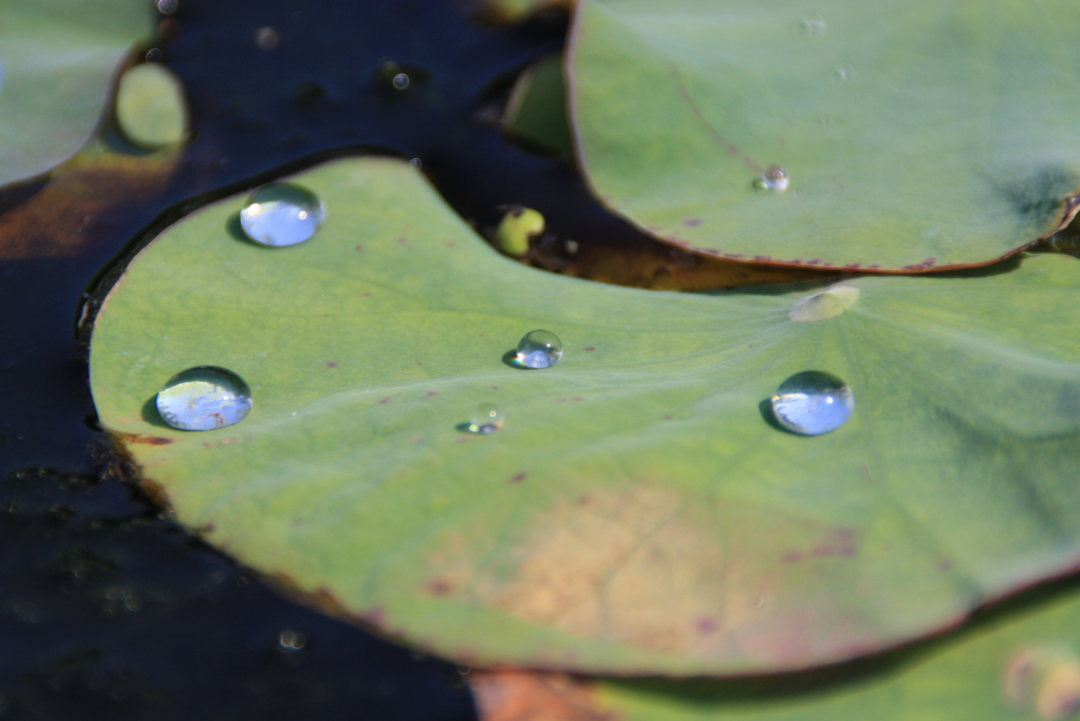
[
  {"x": 774, "y": 180},
  {"x": 281, "y": 214},
  {"x": 204, "y": 398},
  {"x": 485, "y": 420},
  {"x": 812, "y": 403},
  {"x": 538, "y": 349}
]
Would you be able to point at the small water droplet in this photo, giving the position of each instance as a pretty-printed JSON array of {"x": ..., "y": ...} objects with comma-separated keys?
[
  {"x": 416, "y": 163},
  {"x": 267, "y": 38},
  {"x": 775, "y": 179},
  {"x": 485, "y": 420},
  {"x": 290, "y": 641},
  {"x": 204, "y": 398},
  {"x": 166, "y": 7},
  {"x": 539, "y": 349},
  {"x": 813, "y": 403},
  {"x": 814, "y": 24},
  {"x": 281, "y": 214},
  {"x": 843, "y": 74},
  {"x": 400, "y": 81}
]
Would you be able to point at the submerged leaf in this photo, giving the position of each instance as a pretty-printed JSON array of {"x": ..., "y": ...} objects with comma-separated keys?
[
  {"x": 905, "y": 137},
  {"x": 639, "y": 511}
]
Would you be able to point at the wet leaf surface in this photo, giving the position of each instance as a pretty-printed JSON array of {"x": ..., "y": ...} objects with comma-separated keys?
[
  {"x": 639, "y": 512},
  {"x": 57, "y": 63},
  {"x": 910, "y": 139}
]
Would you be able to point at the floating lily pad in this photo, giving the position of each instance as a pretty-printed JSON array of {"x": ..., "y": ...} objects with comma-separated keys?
[
  {"x": 1021, "y": 667},
  {"x": 914, "y": 137},
  {"x": 536, "y": 110},
  {"x": 57, "y": 62},
  {"x": 638, "y": 510}
]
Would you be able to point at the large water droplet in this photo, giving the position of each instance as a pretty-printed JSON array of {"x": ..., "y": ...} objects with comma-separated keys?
[
  {"x": 281, "y": 214},
  {"x": 203, "y": 399},
  {"x": 775, "y": 179},
  {"x": 538, "y": 349},
  {"x": 485, "y": 420},
  {"x": 813, "y": 403}
]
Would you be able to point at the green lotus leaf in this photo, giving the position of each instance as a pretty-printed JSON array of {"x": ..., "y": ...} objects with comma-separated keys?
[
  {"x": 637, "y": 509},
  {"x": 57, "y": 63},
  {"x": 536, "y": 110},
  {"x": 914, "y": 137},
  {"x": 1022, "y": 667}
]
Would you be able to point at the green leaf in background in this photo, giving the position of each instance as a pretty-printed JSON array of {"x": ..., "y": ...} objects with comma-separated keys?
[
  {"x": 638, "y": 511},
  {"x": 536, "y": 110},
  {"x": 57, "y": 63},
  {"x": 915, "y": 136},
  {"x": 1022, "y": 667},
  {"x": 150, "y": 107}
]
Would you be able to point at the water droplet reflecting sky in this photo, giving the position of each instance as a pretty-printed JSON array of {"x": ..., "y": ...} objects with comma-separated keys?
[
  {"x": 280, "y": 214},
  {"x": 813, "y": 403},
  {"x": 775, "y": 180},
  {"x": 539, "y": 349},
  {"x": 204, "y": 398}
]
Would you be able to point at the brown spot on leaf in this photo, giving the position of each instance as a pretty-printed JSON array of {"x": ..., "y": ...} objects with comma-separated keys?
[
  {"x": 705, "y": 625},
  {"x": 589, "y": 349},
  {"x": 386, "y": 400},
  {"x": 519, "y": 477},
  {"x": 439, "y": 587},
  {"x": 535, "y": 696},
  {"x": 331, "y": 364},
  {"x": 692, "y": 222},
  {"x": 839, "y": 542},
  {"x": 359, "y": 247},
  {"x": 431, "y": 394},
  {"x": 138, "y": 439}
]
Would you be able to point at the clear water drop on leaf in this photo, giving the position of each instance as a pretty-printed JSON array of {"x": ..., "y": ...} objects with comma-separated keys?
[
  {"x": 485, "y": 420},
  {"x": 280, "y": 214},
  {"x": 775, "y": 180},
  {"x": 812, "y": 403},
  {"x": 204, "y": 398},
  {"x": 539, "y": 349}
]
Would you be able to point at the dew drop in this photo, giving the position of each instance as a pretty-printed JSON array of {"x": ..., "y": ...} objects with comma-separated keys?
[
  {"x": 485, "y": 420},
  {"x": 400, "y": 81},
  {"x": 267, "y": 38},
  {"x": 166, "y": 7},
  {"x": 814, "y": 24},
  {"x": 290, "y": 641},
  {"x": 775, "y": 180},
  {"x": 281, "y": 214},
  {"x": 812, "y": 403},
  {"x": 204, "y": 398},
  {"x": 538, "y": 349},
  {"x": 843, "y": 74}
]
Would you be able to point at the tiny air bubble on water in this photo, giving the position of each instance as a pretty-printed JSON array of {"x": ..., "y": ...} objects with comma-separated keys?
[
  {"x": 812, "y": 403},
  {"x": 775, "y": 180},
  {"x": 485, "y": 420},
  {"x": 538, "y": 349},
  {"x": 204, "y": 398},
  {"x": 280, "y": 215}
]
